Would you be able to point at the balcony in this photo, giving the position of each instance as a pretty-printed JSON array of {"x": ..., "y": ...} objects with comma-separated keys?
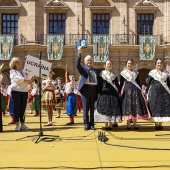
[
  {"x": 115, "y": 39},
  {"x": 18, "y": 39},
  {"x": 71, "y": 39}
]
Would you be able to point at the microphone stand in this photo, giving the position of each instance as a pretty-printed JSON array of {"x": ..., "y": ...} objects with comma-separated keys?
[{"x": 40, "y": 134}]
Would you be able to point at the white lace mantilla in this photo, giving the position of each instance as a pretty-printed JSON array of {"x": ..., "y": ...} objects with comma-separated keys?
[
  {"x": 160, "y": 76},
  {"x": 130, "y": 76},
  {"x": 109, "y": 77}
]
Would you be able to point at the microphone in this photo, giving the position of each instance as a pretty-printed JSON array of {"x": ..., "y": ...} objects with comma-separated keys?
[{"x": 40, "y": 54}]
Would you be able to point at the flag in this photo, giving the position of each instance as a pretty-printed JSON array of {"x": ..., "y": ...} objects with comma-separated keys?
[
  {"x": 6, "y": 47},
  {"x": 55, "y": 47},
  {"x": 147, "y": 47},
  {"x": 101, "y": 47},
  {"x": 66, "y": 75}
]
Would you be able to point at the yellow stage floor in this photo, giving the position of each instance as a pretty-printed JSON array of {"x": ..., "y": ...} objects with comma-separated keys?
[{"x": 79, "y": 149}]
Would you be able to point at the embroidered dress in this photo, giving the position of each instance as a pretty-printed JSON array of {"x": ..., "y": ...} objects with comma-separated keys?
[
  {"x": 48, "y": 96},
  {"x": 134, "y": 106},
  {"x": 59, "y": 93},
  {"x": 79, "y": 102},
  {"x": 36, "y": 103},
  {"x": 159, "y": 95},
  {"x": 71, "y": 99},
  {"x": 30, "y": 97},
  {"x": 3, "y": 99},
  {"x": 108, "y": 105}
]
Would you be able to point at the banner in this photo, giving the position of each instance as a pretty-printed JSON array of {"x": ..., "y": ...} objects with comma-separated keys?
[
  {"x": 66, "y": 75},
  {"x": 55, "y": 47},
  {"x": 147, "y": 47},
  {"x": 101, "y": 47},
  {"x": 6, "y": 47},
  {"x": 32, "y": 66}
]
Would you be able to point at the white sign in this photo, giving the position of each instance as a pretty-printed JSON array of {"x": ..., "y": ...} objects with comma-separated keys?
[{"x": 32, "y": 66}]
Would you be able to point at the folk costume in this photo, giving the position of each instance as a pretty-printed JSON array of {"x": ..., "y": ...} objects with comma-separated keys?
[
  {"x": 36, "y": 103},
  {"x": 10, "y": 105},
  {"x": 3, "y": 99},
  {"x": 108, "y": 104},
  {"x": 48, "y": 96},
  {"x": 158, "y": 90},
  {"x": 59, "y": 94},
  {"x": 30, "y": 99},
  {"x": 71, "y": 109},
  {"x": 134, "y": 105}
]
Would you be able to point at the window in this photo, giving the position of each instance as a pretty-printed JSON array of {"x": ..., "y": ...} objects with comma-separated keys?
[
  {"x": 57, "y": 23},
  {"x": 145, "y": 24},
  {"x": 101, "y": 23},
  {"x": 10, "y": 24}
]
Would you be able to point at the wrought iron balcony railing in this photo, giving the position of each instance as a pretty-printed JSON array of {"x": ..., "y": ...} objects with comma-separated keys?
[
  {"x": 115, "y": 39},
  {"x": 18, "y": 39},
  {"x": 71, "y": 39}
]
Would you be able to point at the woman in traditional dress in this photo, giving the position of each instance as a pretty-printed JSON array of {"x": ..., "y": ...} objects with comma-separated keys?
[
  {"x": 108, "y": 105},
  {"x": 158, "y": 93},
  {"x": 79, "y": 104},
  {"x": 134, "y": 105},
  {"x": 30, "y": 98},
  {"x": 59, "y": 93},
  {"x": 48, "y": 97},
  {"x": 71, "y": 91},
  {"x": 3, "y": 98},
  {"x": 36, "y": 100}
]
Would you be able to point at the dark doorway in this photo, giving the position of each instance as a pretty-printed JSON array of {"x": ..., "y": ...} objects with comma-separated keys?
[
  {"x": 143, "y": 74},
  {"x": 59, "y": 72}
]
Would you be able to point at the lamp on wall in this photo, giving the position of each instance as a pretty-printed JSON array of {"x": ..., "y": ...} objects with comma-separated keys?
[
  {"x": 56, "y": 1},
  {"x": 146, "y": 2}
]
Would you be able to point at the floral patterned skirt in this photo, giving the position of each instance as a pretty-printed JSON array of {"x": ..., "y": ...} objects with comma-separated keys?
[{"x": 48, "y": 98}]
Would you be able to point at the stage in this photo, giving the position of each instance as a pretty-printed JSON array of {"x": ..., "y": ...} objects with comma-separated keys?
[{"x": 79, "y": 149}]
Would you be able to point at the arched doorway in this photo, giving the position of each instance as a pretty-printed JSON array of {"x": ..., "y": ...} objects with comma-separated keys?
[
  {"x": 6, "y": 78},
  {"x": 59, "y": 72},
  {"x": 143, "y": 75}
]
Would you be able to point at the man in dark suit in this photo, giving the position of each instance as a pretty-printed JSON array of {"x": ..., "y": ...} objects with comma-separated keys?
[{"x": 88, "y": 88}]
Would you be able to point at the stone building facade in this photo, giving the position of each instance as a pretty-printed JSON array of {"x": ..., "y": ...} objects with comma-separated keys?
[{"x": 34, "y": 26}]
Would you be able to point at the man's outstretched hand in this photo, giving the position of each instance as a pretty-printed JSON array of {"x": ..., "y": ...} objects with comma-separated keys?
[{"x": 79, "y": 49}]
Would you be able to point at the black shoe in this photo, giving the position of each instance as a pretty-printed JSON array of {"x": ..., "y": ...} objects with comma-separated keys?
[
  {"x": 115, "y": 125},
  {"x": 93, "y": 128},
  {"x": 128, "y": 128},
  {"x": 86, "y": 128},
  {"x": 157, "y": 128},
  {"x": 161, "y": 127},
  {"x": 136, "y": 127},
  {"x": 107, "y": 128}
]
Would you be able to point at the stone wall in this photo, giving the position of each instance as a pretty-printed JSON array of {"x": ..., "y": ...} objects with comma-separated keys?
[{"x": 33, "y": 22}]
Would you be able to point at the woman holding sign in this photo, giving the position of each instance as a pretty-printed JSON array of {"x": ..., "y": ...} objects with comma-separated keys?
[
  {"x": 19, "y": 91},
  {"x": 158, "y": 92}
]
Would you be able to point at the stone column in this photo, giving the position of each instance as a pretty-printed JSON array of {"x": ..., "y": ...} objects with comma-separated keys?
[
  {"x": 167, "y": 61},
  {"x": 31, "y": 24},
  {"x": 167, "y": 21}
]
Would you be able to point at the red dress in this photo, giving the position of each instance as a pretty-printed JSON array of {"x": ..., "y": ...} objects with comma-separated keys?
[{"x": 30, "y": 97}]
